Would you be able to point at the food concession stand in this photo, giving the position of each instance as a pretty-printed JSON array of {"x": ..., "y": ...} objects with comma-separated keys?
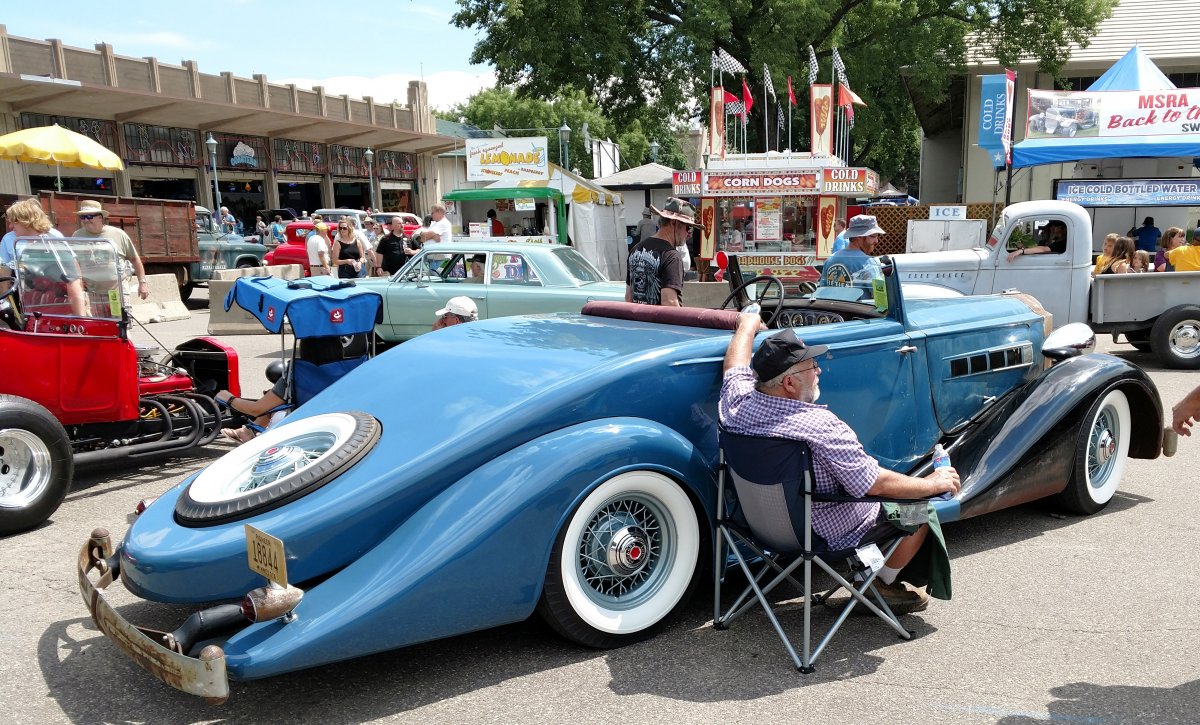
[{"x": 774, "y": 211}]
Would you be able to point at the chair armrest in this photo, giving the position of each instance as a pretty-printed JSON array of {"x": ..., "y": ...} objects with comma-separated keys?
[{"x": 871, "y": 499}]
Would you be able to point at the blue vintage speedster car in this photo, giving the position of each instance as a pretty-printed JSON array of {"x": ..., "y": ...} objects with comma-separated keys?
[{"x": 564, "y": 464}]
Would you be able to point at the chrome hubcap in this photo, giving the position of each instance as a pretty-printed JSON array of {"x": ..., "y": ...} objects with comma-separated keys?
[
  {"x": 24, "y": 467},
  {"x": 275, "y": 463},
  {"x": 621, "y": 553},
  {"x": 1102, "y": 446},
  {"x": 627, "y": 551},
  {"x": 1185, "y": 338}
]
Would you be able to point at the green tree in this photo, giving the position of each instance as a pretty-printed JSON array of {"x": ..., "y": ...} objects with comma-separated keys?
[
  {"x": 509, "y": 110},
  {"x": 649, "y": 60},
  {"x": 504, "y": 108}
]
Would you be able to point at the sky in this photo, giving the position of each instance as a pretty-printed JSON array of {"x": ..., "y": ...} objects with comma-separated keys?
[{"x": 367, "y": 47}]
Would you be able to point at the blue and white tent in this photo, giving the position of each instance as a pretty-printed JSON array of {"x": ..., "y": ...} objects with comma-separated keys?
[{"x": 1133, "y": 72}]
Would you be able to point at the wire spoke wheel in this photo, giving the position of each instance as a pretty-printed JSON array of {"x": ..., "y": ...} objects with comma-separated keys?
[{"x": 623, "y": 562}]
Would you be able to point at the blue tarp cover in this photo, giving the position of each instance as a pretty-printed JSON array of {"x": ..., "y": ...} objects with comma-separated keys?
[
  {"x": 1134, "y": 72},
  {"x": 321, "y": 306}
]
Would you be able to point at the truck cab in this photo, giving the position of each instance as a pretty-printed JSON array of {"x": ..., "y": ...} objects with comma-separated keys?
[
  {"x": 1060, "y": 281},
  {"x": 219, "y": 250}
]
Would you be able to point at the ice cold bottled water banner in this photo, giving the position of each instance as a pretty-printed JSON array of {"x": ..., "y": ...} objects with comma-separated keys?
[
  {"x": 1062, "y": 114},
  {"x": 1130, "y": 192}
]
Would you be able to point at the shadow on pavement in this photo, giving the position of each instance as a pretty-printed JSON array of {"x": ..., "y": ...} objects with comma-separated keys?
[
  {"x": 1083, "y": 702},
  {"x": 689, "y": 661}
]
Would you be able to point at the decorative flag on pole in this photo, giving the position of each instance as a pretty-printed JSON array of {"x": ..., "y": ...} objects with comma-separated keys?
[
  {"x": 767, "y": 82},
  {"x": 779, "y": 117},
  {"x": 838, "y": 66},
  {"x": 812, "y": 66},
  {"x": 848, "y": 99},
  {"x": 792, "y": 102},
  {"x": 746, "y": 97},
  {"x": 735, "y": 108},
  {"x": 726, "y": 63}
]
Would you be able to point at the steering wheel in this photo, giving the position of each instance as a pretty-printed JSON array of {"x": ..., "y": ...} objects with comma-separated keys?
[{"x": 761, "y": 278}]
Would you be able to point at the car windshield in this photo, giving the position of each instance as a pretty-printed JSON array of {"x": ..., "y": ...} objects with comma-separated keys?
[
  {"x": 849, "y": 279},
  {"x": 72, "y": 276},
  {"x": 578, "y": 267},
  {"x": 204, "y": 223}
]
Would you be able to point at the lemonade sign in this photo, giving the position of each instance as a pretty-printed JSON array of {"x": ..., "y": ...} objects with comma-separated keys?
[{"x": 511, "y": 159}]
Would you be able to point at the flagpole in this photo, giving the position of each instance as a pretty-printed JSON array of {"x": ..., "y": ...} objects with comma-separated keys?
[{"x": 766, "y": 116}]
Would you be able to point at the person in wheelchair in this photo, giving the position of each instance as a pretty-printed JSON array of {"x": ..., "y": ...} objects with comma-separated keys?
[{"x": 774, "y": 394}]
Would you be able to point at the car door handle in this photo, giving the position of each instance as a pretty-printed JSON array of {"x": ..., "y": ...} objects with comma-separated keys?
[
  {"x": 478, "y": 297},
  {"x": 907, "y": 349}
]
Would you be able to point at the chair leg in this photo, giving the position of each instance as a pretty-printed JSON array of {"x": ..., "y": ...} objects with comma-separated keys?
[
  {"x": 766, "y": 605},
  {"x": 718, "y": 574},
  {"x": 806, "y": 664}
]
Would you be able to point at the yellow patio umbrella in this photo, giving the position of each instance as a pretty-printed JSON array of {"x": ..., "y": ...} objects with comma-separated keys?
[{"x": 59, "y": 146}]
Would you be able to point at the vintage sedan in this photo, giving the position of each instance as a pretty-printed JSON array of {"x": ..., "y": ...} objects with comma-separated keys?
[
  {"x": 503, "y": 278},
  {"x": 563, "y": 464}
]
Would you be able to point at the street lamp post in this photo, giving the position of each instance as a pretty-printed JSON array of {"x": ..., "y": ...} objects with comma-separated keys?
[
  {"x": 654, "y": 151},
  {"x": 211, "y": 143},
  {"x": 369, "y": 155},
  {"x": 564, "y": 148}
]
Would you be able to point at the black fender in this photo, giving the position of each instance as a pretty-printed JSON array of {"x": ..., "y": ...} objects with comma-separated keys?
[{"x": 1021, "y": 449}]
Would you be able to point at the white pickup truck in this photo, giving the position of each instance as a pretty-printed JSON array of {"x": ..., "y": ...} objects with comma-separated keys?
[{"x": 1158, "y": 311}]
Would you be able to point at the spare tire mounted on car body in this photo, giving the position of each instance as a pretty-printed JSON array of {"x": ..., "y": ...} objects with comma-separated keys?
[{"x": 278, "y": 467}]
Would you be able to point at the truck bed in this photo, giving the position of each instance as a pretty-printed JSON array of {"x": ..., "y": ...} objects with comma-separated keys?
[
  {"x": 163, "y": 230},
  {"x": 1123, "y": 298}
]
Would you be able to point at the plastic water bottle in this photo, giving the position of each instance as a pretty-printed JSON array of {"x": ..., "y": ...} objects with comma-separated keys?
[{"x": 941, "y": 459}]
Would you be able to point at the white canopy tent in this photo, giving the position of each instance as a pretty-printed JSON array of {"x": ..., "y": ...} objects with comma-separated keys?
[{"x": 595, "y": 218}]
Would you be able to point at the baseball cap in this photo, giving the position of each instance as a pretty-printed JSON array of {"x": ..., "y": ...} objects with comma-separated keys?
[
  {"x": 461, "y": 306},
  {"x": 779, "y": 352}
]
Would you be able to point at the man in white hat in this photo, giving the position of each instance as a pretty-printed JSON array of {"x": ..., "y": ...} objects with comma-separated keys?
[
  {"x": 854, "y": 264},
  {"x": 654, "y": 271},
  {"x": 457, "y": 311},
  {"x": 92, "y": 221}
]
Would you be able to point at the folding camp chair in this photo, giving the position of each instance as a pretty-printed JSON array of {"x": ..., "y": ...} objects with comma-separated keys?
[{"x": 768, "y": 516}]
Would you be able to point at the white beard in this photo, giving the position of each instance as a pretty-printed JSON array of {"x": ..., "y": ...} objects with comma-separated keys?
[{"x": 816, "y": 394}]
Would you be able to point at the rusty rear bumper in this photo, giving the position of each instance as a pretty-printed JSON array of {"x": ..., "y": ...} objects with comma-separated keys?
[{"x": 204, "y": 676}]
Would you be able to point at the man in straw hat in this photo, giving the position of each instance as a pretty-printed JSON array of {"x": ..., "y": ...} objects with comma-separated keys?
[
  {"x": 93, "y": 223},
  {"x": 773, "y": 394},
  {"x": 654, "y": 271}
]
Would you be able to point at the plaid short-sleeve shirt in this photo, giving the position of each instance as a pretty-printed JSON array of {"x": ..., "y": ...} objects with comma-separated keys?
[{"x": 840, "y": 465}]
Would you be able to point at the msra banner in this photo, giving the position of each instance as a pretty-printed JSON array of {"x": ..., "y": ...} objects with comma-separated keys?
[{"x": 995, "y": 117}]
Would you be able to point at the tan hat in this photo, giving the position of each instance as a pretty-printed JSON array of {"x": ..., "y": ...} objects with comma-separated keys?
[
  {"x": 678, "y": 210},
  {"x": 91, "y": 206}
]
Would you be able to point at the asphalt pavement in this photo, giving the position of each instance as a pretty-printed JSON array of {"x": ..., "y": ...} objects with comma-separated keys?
[{"x": 1054, "y": 618}]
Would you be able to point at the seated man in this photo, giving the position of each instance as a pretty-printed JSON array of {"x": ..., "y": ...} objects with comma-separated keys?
[
  {"x": 1051, "y": 240},
  {"x": 773, "y": 395},
  {"x": 262, "y": 411},
  {"x": 457, "y": 311}
]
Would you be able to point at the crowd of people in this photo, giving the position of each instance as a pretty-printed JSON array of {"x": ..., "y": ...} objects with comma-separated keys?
[{"x": 1146, "y": 249}]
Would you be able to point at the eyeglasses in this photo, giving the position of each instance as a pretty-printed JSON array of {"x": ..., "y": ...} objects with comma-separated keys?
[
  {"x": 88, "y": 217},
  {"x": 814, "y": 366},
  {"x": 344, "y": 229}
]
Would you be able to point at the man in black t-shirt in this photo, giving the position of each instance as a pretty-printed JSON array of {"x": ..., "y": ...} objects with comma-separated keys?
[
  {"x": 389, "y": 249},
  {"x": 654, "y": 271}
]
